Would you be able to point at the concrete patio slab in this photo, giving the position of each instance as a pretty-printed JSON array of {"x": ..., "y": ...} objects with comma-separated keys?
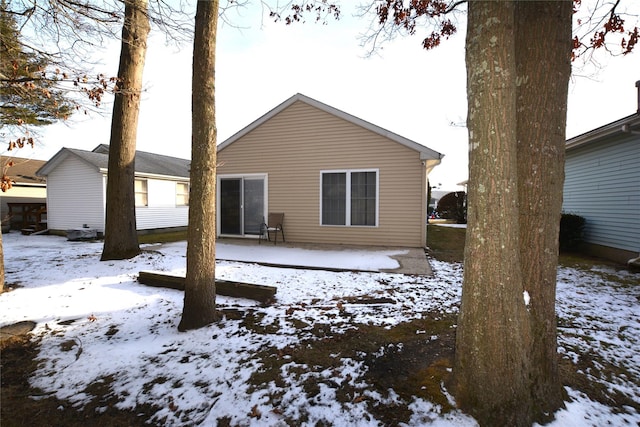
[{"x": 411, "y": 261}]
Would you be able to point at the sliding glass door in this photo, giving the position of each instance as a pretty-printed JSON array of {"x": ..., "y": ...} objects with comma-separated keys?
[
  {"x": 230, "y": 206},
  {"x": 253, "y": 205},
  {"x": 242, "y": 205}
]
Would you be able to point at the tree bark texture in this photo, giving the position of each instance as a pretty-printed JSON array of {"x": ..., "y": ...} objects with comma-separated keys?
[
  {"x": 492, "y": 365},
  {"x": 543, "y": 61},
  {"x": 121, "y": 238},
  {"x": 200, "y": 289},
  {"x": 1, "y": 264}
]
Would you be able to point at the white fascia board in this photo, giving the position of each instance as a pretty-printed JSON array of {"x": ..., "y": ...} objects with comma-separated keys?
[
  {"x": 426, "y": 153},
  {"x": 431, "y": 164},
  {"x": 613, "y": 128},
  {"x": 262, "y": 119},
  {"x": 53, "y": 162},
  {"x": 58, "y": 158},
  {"x": 159, "y": 177}
]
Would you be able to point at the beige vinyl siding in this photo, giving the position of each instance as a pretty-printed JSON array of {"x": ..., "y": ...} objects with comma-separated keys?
[
  {"x": 294, "y": 146},
  {"x": 74, "y": 196},
  {"x": 26, "y": 193},
  {"x": 22, "y": 194}
]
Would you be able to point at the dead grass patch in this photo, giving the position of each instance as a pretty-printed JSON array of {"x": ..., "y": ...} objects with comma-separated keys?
[
  {"x": 21, "y": 404},
  {"x": 413, "y": 359},
  {"x": 590, "y": 375},
  {"x": 446, "y": 243}
]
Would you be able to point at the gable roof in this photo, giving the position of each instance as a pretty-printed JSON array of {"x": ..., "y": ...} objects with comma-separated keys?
[
  {"x": 425, "y": 152},
  {"x": 631, "y": 124},
  {"x": 23, "y": 171},
  {"x": 150, "y": 164}
]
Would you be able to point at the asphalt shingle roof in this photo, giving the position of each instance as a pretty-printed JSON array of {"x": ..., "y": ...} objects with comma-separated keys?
[
  {"x": 146, "y": 163},
  {"x": 23, "y": 170}
]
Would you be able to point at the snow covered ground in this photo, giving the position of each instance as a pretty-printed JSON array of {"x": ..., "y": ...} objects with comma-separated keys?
[{"x": 98, "y": 322}]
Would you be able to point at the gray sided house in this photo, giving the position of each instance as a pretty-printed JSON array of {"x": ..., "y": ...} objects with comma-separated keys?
[
  {"x": 602, "y": 184},
  {"x": 77, "y": 184},
  {"x": 337, "y": 178}
]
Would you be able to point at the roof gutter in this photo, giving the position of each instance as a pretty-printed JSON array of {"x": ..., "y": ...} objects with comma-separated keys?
[
  {"x": 432, "y": 163},
  {"x": 629, "y": 124}
]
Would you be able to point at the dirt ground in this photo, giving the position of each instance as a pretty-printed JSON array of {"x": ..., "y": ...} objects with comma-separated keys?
[
  {"x": 22, "y": 405},
  {"x": 411, "y": 368},
  {"x": 407, "y": 366},
  {"x": 410, "y": 364}
]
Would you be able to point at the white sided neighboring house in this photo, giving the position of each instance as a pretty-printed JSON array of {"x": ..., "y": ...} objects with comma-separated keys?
[{"x": 77, "y": 188}]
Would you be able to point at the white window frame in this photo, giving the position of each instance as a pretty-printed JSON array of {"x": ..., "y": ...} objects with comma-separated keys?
[
  {"x": 145, "y": 192},
  {"x": 180, "y": 195},
  {"x": 348, "y": 173},
  {"x": 243, "y": 176}
]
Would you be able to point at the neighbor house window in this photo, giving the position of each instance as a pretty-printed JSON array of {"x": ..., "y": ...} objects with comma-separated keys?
[
  {"x": 141, "y": 192},
  {"x": 349, "y": 198},
  {"x": 182, "y": 194}
]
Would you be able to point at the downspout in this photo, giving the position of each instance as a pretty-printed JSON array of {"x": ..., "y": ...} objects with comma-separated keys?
[
  {"x": 425, "y": 203},
  {"x": 638, "y": 88},
  {"x": 427, "y": 167}
]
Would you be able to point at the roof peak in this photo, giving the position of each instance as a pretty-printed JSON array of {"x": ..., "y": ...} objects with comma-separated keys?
[{"x": 426, "y": 153}]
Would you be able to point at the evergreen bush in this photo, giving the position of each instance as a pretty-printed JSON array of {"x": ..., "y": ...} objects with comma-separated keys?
[{"x": 571, "y": 230}]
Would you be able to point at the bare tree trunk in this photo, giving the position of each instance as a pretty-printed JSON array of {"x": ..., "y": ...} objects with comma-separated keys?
[
  {"x": 492, "y": 365},
  {"x": 1, "y": 264},
  {"x": 543, "y": 76},
  {"x": 121, "y": 238},
  {"x": 200, "y": 289}
]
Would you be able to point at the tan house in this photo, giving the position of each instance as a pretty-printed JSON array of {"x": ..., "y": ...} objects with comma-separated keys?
[
  {"x": 24, "y": 204},
  {"x": 337, "y": 178}
]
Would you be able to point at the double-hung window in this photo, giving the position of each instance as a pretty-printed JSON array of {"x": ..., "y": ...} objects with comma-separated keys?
[
  {"x": 349, "y": 198},
  {"x": 182, "y": 194},
  {"x": 141, "y": 193}
]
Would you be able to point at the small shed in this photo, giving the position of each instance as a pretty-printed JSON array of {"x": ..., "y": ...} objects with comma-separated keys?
[
  {"x": 338, "y": 179},
  {"x": 77, "y": 183}
]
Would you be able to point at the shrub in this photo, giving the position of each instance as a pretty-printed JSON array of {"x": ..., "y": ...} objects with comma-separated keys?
[
  {"x": 571, "y": 230},
  {"x": 453, "y": 206}
]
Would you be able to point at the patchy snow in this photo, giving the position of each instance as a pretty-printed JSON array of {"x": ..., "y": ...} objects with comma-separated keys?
[
  {"x": 97, "y": 321},
  {"x": 448, "y": 224},
  {"x": 353, "y": 259}
]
